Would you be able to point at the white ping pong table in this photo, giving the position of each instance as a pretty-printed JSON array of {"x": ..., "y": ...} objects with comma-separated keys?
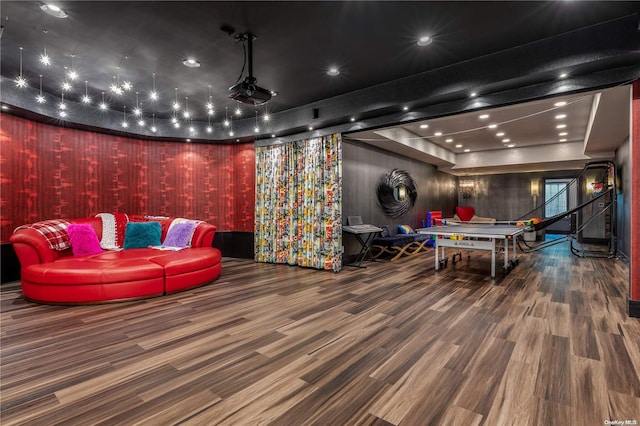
[{"x": 475, "y": 237}]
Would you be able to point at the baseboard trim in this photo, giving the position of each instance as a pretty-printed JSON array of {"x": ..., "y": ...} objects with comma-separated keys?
[
  {"x": 634, "y": 308},
  {"x": 235, "y": 244},
  {"x": 10, "y": 270}
]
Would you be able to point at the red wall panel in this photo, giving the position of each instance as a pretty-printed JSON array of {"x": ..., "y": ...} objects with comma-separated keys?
[
  {"x": 51, "y": 172},
  {"x": 635, "y": 193}
]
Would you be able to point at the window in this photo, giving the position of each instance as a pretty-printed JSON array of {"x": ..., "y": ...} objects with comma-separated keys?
[{"x": 555, "y": 196}]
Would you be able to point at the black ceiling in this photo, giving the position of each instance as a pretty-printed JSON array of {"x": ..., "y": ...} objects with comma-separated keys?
[{"x": 371, "y": 43}]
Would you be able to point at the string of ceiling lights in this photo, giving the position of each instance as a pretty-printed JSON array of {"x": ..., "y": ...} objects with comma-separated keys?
[
  {"x": 120, "y": 91},
  {"x": 183, "y": 115}
]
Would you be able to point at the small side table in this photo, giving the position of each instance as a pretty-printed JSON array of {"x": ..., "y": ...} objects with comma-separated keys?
[{"x": 365, "y": 235}]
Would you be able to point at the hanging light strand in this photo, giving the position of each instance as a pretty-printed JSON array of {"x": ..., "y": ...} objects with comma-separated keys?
[
  {"x": 103, "y": 105},
  {"x": 44, "y": 58},
  {"x": 21, "y": 82},
  {"x": 154, "y": 93},
  {"x": 86, "y": 99},
  {"x": 40, "y": 98},
  {"x": 124, "y": 117}
]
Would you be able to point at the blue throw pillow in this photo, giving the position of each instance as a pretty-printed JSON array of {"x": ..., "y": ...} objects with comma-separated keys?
[{"x": 142, "y": 234}]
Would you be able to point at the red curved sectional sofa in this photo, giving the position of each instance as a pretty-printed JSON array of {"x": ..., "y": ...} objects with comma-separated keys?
[{"x": 50, "y": 276}]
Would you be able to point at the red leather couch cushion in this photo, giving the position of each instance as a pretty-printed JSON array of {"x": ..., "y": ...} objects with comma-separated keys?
[
  {"x": 92, "y": 270},
  {"x": 188, "y": 260}
]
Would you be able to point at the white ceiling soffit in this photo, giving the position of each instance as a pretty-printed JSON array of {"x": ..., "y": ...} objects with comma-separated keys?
[
  {"x": 595, "y": 124},
  {"x": 611, "y": 122}
]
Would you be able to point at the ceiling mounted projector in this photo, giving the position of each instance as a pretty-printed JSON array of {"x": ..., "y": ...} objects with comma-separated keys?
[{"x": 248, "y": 91}]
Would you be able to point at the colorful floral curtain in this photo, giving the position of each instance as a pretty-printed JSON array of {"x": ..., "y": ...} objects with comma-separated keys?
[{"x": 299, "y": 203}]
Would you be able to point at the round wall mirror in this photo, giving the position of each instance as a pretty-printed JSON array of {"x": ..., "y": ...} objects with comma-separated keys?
[
  {"x": 400, "y": 192},
  {"x": 396, "y": 193}
]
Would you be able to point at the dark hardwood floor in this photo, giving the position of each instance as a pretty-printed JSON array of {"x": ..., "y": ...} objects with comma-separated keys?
[{"x": 393, "y": 344}]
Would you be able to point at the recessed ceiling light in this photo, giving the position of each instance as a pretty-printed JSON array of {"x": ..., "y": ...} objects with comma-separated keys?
[
  {"x": 448, "y": 140},
  {"x": 437, "y": 134},
  {"x": 4, "y": 107},
  {"x": 483, "y": 116},
  {"x": 561, "y": 126},
  {"x": 563, "y": 75},
  {"x": 405, "y": 108},
  {"x": 467, "y": 150},
  {"x": 561, "y": 116},
  {"x": 333, "y": 71},
  {"x": 500, "y": 134},
  {"x": 511, "y": 145},
  {"x": 310, "y": 127},
  {"x": 425, "y": 40},
  {"x": 352, "y": 119},
  {"x": 53, "y": 10},
  {"x": 563, "y": 134},
  {"x": 563, "y": 140},
  {"x": 473, "y": 94},
  {"x": 274, "y": 93},
  {"x": 424, "y": 126},
  {"x": 459, "y": 145},
  {"x": 191, "y": 63},
  {"x": 492, "y": 126},
  {"x": 560, "y": 103},
  {"x": 506, "y": 140}
]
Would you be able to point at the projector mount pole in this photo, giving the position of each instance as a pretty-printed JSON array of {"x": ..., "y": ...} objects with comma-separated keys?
[
  {"x": 248, "y": 37},
  {"x": 250, "y": 54}
]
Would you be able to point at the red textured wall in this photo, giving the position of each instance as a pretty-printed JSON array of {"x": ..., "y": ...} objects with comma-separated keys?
[
  {"x": 51, "y": 172},
  {"x": 635, "y": 192}
]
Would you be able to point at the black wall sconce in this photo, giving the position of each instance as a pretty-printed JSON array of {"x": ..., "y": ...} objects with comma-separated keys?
[{"x": 467, "y": 188}]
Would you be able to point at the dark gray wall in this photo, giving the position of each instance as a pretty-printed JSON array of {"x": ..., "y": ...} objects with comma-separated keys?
[
  {"x": 508, "y": 196},
  {"x": 623, "y": 155},
  {"x": 362, "y": 166}
]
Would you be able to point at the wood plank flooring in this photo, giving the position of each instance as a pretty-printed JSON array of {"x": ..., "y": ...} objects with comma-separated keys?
[{"x": 393, "y": 344}]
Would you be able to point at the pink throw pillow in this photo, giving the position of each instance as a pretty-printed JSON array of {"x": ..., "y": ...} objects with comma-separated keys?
[
  {"x": 465, "y": 213},
  {"x": 84, "y": 240}
]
